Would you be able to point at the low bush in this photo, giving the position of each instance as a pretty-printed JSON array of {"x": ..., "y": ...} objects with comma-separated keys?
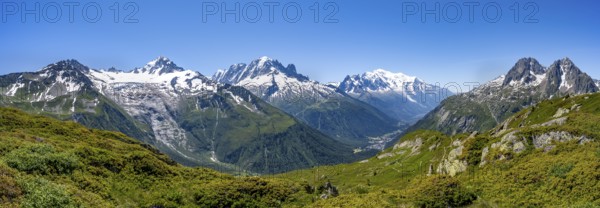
[
  {"x": 42, "y": 159},
  {"x": 9, "y": 189},
  {"x": 441, "y": 191},
  {"x": 41, "y": 193},
  {"x": 246, "y": 192}
]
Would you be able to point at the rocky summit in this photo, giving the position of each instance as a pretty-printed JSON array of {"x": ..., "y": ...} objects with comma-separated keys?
[{"x": 525, "y": 84}]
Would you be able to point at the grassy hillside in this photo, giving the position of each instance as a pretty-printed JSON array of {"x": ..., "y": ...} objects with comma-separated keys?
[
  {"x": 48, "y": 163},
  {"x": 545, "y": 156}
]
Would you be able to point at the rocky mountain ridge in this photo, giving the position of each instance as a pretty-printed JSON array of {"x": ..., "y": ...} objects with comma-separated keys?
[{"x": 525, "y": 84}]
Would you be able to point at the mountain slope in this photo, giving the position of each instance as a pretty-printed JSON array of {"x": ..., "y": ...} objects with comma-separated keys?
[
  {"x": 181, "y": 112},
  {"x": 63, "y": 90},
  {"x": 543, "y": 156},
  {"x": 403, "y": 97},
  {"x": 320, "y": 106},
  {"x": 525, "y": 84},
  {"x": 48, "y": 163}
]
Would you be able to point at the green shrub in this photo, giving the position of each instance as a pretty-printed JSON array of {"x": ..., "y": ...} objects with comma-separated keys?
[
  {"x": 561, "y": 170},
  {"x": 473, "y": 149},
  {"x": 95, "y": 157},
  {"x": 41, "y": 193},
  {"x": 9, "y": 189},
  {"x": 442, "y": 191},
  {"x": 147, "y": 164},
  {"x": 360, "y": 189},
  {"x": 246, "y": 192},
  {"x": 42, "y": 159}
]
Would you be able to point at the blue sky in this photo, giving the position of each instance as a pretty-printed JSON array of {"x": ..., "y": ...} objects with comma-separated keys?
[{"x": 368, "y": 35}]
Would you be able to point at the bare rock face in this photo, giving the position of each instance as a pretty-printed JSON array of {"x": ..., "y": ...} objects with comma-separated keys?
[
  {"x": 451, "y": 165},
  {"x": 486, "y": 106},
  {"x": 484, "y": 154},
  {"x": 414, "y": 145},
  {"x": 546, "y": 139},
  {"x": 558, "y": 121},
  {"x": 510, "y": 142},
  {"x": 517, "y": 144},
  {"x": 560, "y": 112},
  {"x": 386, "y": 155}
]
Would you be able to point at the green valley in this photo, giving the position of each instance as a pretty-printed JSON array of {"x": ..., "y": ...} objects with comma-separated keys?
[{"x": 547, "y": 155}]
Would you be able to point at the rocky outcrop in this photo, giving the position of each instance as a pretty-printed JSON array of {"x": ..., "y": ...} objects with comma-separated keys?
[
  {"x": 414, "y": 145},
  {"x": 548, "y": 138},
  {"x": 512, "y": 143},
  {"x": 451, "y": 164},
  {"x": 328, "y": 191}
]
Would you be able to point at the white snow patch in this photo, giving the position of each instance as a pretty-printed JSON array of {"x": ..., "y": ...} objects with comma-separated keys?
[
  {"x": 13, "y": 89},
  {"x": 73, "y": 104}
]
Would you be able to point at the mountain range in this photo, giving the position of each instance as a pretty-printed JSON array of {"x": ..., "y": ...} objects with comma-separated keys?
[
  {"x": 526, "y": 83},
  {"x": 266, "y": 117},
  {"x": 321, "y": 106},
  {"x": 181, "y": 112},
  {"x": 545, "y": 155},
  {"x": 403, "y": 97},
  {"x": 528, "y": 138}
]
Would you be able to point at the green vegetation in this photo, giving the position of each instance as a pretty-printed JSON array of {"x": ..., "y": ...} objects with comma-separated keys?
[
  {"x": 441, "y": 191},
  {"x": 42, "y": 193},
  {"x": 457, "y": 114},
  {"x": 42, "y": 159},
  {"x": 344, "y": 119},
  {"x": 499, "y": 170},
  {"x": 258, "y": 139},
  {"x": 543, "y": 156},
  {"x": 48, "y": 163}
]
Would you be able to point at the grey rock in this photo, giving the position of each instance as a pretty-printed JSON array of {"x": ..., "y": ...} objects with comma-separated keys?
[
  {"x": 560, "y": 112},
  {"x": 385, "y": 155},
  {"x": 484, "y": 154}
]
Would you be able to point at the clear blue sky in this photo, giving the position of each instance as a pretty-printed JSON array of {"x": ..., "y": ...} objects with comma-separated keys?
[{"x": 368, "y": 35}]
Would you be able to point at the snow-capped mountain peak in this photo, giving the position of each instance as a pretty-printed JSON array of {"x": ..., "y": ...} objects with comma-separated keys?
[
  {"x": 62, "y": 78},
  {"x": 264, "y": 59},
  {"x": 266, "y": 65},
  {"x": 160, "y": 65},
  {"x": 527, "y": 71},
  {"x": 387, "y": 75},
  {"x": 380, "y": 80},
  {"x": 259, "y": 71},
  {"x": 219, "y": 73},
  {"x": 402, "y": 96},
  {"x": 65, "y": 65},
  {"x": 321, "y": 106},
  {"x": 161, "y": 71},
  {"x": 334, "y": 84},
  {"x": 565, "y": 77}
]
